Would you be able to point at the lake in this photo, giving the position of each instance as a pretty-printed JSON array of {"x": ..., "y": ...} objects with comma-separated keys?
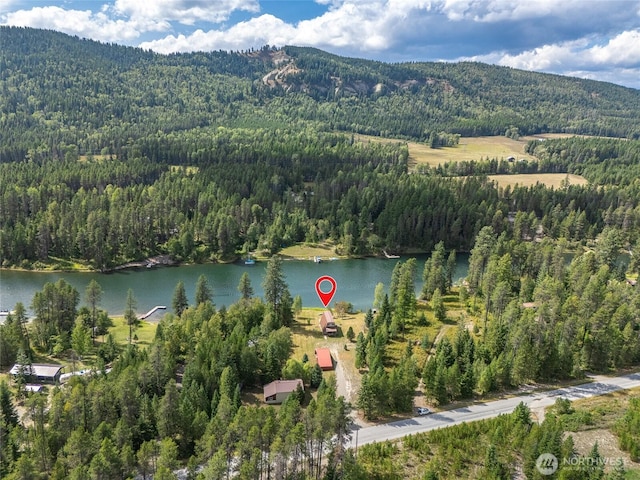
[{"x": 356, "y": 281}]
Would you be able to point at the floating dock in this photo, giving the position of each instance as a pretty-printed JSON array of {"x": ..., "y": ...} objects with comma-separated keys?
[{"x": 152, "y": 311}]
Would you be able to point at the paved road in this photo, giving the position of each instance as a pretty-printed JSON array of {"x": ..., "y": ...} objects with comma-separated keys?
[{"x": 479, "y": 411}]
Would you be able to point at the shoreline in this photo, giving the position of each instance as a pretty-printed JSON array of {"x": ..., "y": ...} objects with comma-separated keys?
[{"x": 302, "y": 254}]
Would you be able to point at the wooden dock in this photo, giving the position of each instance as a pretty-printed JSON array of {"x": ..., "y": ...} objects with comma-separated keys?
[{"x": 152, "y": 311}]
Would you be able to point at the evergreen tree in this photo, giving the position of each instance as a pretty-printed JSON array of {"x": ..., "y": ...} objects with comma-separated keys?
[
  {"x": 80, "y": 339},
  {"x": 316, "y": 376},
  {"x": 130, "y": 316},
  {"x": 351, "y": 336},
  {"x": 93, "y": 296},
  {"x": 204, "y": 293},
  {"x": 244, "y": 287},
  {"x": 7, "y": 409},
  {"x": 180, "y": 302},
  {"x": 361, "y": 351},
  {"x": 437, "y": 305},
  {"x": 435, "y": 273},
  {"x": 276, "y": 293}
]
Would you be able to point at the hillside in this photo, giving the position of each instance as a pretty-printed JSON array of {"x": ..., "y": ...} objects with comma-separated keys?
[{"x": 61, "y": 92}]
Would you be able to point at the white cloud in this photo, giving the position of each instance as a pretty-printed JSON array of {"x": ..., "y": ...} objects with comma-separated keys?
[
  {"x": 502, "y": 10},
  {"x": 366, "y": 26},
  {"x": 84, "y": 23},
  {"x": 545, "y": 58},
  {"x": 186, "y": 12},
  {"x": 623, "y": 50},
  {"x": 254, "y": 32},
  {"x": 125, "y": 20}
]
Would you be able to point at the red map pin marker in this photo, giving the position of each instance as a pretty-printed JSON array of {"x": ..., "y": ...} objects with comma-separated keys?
[{"x": 325, "y": 297}]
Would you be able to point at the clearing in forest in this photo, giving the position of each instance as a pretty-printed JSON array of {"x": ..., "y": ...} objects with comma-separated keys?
[
  {"x": 548, "y": 179},
  {"x": 469, "y": 148}
]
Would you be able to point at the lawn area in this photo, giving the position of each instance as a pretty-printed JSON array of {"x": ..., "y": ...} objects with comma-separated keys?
[
  {"x": 307, "y": 335},
  {"x": 528, "y": 179},
  {"x": 145, "y": 332},
  {"x": 306, "y": 251}
]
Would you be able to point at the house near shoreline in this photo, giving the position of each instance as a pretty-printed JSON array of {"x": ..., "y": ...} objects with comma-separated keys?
[{"x": 328, "y": 324}]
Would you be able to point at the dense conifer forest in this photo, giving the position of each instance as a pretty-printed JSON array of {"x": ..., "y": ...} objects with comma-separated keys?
[
  {"x": 115, "y": 154},
  {"x": 110, "y": 154}
]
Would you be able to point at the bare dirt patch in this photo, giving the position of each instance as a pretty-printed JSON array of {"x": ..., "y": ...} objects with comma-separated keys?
[{"x": 607, "y": 446}]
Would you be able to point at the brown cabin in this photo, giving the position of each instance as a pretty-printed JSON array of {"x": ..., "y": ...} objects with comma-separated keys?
[
  {"x": 328, "y": 324},
  {"x": 279, "y": 390}
]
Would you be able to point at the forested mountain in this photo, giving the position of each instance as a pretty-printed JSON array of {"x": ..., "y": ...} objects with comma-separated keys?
[
  {"x": 113, "y": 153},
  {"x": 60, "y": 93}
]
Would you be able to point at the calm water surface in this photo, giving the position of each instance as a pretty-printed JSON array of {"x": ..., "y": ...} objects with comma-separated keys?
[{"x": 356, "y": 281}]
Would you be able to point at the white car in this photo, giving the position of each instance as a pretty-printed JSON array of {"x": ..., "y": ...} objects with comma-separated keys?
[{"x": 423, "y": 411}]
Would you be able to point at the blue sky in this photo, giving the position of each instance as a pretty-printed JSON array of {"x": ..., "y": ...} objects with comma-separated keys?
[{"x": 597, "y": 39}]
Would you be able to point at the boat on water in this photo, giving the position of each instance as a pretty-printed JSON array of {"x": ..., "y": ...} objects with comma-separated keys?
[
  {"x": 317, "y": 259},
  {"x": 249, "y": 261}
]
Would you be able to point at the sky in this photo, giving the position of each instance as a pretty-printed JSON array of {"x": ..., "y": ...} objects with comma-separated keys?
[{"x": 595, "y": 39}]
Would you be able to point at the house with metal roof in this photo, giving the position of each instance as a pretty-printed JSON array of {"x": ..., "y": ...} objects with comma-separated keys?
[
  {"x": 325, "y": 361},
  {"x": 279, "y": 390},
  {"x": 38, "y": 372},
  {"x": 328, "y": 324}
]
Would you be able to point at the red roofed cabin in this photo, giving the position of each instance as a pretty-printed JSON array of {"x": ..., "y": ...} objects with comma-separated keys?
[
  {"x": 279, "y": 390},
  {"x": 323, "y": 355},
  {"x": 327, "y": 324}
]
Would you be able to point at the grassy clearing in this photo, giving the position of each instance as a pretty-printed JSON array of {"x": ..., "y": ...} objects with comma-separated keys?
[
  {"x": 469, "y": 148},
  {"x": 548, "y": 179},
  {"x": 145, "y": 332},
  {"x": 307, "y": 337},
  {"x": 306, "y": 251}
]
